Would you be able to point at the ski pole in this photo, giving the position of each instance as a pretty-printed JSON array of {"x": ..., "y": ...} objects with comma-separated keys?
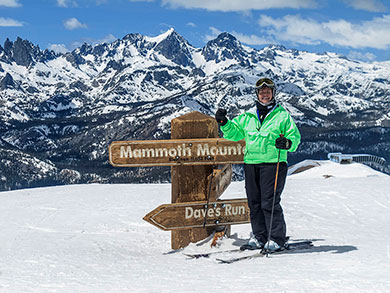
[{"x": 273, "y": 201}]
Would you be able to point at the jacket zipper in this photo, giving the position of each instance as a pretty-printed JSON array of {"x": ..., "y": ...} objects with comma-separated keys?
[{"x": 257, "y": 112}]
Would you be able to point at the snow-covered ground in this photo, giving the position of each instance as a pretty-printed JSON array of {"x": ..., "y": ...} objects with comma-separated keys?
[{"x": 92, "y": 238}]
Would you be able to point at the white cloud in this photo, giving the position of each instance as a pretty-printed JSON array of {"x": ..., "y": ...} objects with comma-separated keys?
[
  {"x": 9, "y": 22},
  {"x": 75, "y": 45},
  {"x": 58, "y": 48},
  {"x": 166, "y": 25},
  {"x": 214, "y": 33},
  {"x": 67, "y": 3},
  {"x": 191, "y": 24},
  {"x": 246, "y": 15},
  {"x": 252, "y": 39},
  {"x": 73, "y": 23},
  {"x": 236, "y": 5},
  {"x": 62, "y": 3},
  {"x": 374, "y": 33},
  {"x": 10, "y": 3},
  {"x": 106, "y": 39},
  {"x": 354, "y": 55},
  {"x": 368, "y": 5}
]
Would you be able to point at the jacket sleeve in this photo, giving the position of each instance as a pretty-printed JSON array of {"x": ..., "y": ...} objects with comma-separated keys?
[
  {"x": 232, "y": 130},
  {"x": 292, "y": 133}
]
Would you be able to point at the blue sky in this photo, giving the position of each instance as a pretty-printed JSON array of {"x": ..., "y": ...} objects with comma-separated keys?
[{"x": 358, "y": 29}]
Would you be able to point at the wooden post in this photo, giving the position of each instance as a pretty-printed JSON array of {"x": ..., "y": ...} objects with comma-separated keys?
[{"x": 189, "y": 183}]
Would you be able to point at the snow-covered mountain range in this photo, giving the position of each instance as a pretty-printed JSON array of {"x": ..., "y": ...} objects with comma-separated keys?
[{"x": 59, "y": 112}]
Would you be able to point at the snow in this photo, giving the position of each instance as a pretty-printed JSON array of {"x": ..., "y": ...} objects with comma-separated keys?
[
  {"x": 19, "y": 116},
  {"x": 160, "y": 37},
  {"x": 81, "y": 238},
  {"x": 212, "y": 67},
  {"x": 198, "y": 59},
  {"x": 339, "y": 171}
]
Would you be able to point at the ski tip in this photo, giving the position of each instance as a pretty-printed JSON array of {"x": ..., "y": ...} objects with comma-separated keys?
[
  {"x": 196, "y": 256},
  {"x": 223, "y": 261},
  {"x": 173, "y": 251}
]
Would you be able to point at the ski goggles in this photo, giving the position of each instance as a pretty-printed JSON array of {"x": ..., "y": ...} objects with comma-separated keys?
[{"x": 265, "y": 82}]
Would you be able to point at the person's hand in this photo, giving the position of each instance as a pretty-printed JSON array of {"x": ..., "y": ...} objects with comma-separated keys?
[
  {"x": 283, "y": 143},
  {"x": 220, "y": 116}
]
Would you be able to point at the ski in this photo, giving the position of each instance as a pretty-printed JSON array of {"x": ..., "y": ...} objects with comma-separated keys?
[
  {"x": 290, "y": 247},
  {"x": 207, "y": 254},
  {"x": 242, "y": 248}
]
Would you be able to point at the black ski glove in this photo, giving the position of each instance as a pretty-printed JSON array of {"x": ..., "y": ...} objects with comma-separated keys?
[
  {"x": 220, "y": 116},
  {"x": 283, "y": 143}
]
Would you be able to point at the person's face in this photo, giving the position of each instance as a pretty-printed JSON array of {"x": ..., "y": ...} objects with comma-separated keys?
[{"x": 265, "y": 95}]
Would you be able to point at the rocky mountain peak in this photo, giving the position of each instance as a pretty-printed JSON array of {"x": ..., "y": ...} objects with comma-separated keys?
[
  {"x": 7, "y": 82},
  {"x": 7, "y": 45},
  {"x": 25, "y": 53},
  {"x": 133, "y": 37},
  {"x": 85, "y": 49},
  {"x": 224, "y": 47},
  {"x": 174, "y": 47},
  {"x": 276, "y": 47},
  {"x": 226, "y": 40}
]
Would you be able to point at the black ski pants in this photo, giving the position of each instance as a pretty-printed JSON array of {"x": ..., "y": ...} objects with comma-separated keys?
[{"x": 259, "y": 186}]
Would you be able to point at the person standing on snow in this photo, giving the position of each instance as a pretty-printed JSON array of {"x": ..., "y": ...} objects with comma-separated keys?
[{"x": 269, "y": 133}]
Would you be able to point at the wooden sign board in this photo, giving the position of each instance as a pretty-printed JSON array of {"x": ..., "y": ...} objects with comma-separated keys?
[
  {"x": 176, "y": 152},
  {"x": 191, "y": 214}
]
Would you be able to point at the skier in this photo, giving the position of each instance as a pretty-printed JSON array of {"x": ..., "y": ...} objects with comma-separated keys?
[{"x": 269, "y": 133}]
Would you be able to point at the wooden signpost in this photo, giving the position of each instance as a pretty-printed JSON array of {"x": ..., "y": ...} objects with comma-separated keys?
[{"x": 200, "y": 172}]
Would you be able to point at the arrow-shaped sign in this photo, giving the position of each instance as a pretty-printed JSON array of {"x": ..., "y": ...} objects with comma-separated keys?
[{"x": 186, "y": 215}]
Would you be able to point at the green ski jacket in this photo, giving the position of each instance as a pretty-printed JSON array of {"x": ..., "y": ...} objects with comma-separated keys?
[{"x": 260, "y": 137}]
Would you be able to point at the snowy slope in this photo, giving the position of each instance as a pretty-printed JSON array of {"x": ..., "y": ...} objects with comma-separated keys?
[{"x": 93, "y": 238}]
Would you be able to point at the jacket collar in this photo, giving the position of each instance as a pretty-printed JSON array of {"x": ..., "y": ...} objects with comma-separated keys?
[{"x": 253, "y": 110}]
